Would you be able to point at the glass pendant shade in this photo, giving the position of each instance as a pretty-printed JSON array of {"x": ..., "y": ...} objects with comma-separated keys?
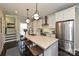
[
  {"x": 36, "y": 15},
  {"x": 27, "y": 20}
]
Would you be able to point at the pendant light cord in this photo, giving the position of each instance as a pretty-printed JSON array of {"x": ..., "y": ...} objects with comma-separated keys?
[
  {"x": 36, "y": 7},
  {"x": 27, "y": 13}
]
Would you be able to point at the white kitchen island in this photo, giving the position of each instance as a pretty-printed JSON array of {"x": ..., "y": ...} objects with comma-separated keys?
[{"x": 48, "y": 44}]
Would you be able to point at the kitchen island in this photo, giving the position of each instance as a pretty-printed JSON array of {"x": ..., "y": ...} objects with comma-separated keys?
[{"x": 48, "y": 44}]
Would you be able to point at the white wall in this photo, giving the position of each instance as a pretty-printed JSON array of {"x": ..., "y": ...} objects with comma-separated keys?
[
  {"x": 2, "y": 37},
  {"x": 76, "y": 28},
  {"x": 51, "y": 20}
]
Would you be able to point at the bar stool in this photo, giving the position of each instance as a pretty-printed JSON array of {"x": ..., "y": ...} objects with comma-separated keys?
[
  {"x": 36, "y": 50},
  {"x": 28, "y": 42}
]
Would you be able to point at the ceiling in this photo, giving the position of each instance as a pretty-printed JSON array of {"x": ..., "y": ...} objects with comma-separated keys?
[{"x": 44, "y": 8}]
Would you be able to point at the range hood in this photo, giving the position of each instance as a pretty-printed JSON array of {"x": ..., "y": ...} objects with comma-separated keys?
[{"x": 45, "y": 21}]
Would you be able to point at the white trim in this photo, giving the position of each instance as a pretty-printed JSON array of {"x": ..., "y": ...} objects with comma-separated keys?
[
  {"x": 10, "y": 15},
  {"x": 11, "y": 40},
  {"x": 77, "y": 49}
]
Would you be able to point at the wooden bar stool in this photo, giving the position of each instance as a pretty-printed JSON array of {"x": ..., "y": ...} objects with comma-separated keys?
[
  {"x": 36, "y": 50},
  {"x": 28, "y": 42}
]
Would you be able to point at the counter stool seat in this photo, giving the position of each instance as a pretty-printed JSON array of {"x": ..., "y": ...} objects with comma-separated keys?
[
  {"x": 36, "y": 50},
  {"x": 28, "y": 42}
]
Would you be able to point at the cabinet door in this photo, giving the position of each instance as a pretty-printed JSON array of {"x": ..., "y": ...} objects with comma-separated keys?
[
  {"x": 51, "y": 21},
  {"x": 59, "y": 16},
  {"x": 39, "y": 23},
  {"x": 69, "y": 13}
]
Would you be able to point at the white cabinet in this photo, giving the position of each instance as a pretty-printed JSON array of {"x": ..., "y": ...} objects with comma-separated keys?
[
  {"x": 39, "y": 23},
  {"x": 59, "y": 16},
  {"x": 66, "y": 14},
  {"x": 69, "y": 13},
  {"x": 51, "y": 20}
]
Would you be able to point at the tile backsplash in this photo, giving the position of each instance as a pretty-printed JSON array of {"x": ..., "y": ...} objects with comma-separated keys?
[{"x": 50, "y": 30}]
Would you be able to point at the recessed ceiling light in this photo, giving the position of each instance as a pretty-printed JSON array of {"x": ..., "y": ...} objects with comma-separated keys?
[{"x": 16, "y": 11}]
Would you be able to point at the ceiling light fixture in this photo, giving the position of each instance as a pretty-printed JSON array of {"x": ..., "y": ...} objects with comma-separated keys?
[
  {"x": 16, "y": 11},
  {"x": 36, "y": 14},
  {"x": 27, "y": 20}
]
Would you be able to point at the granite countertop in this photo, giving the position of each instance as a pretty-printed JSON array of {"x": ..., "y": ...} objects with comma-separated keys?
[{"x": 42, "y": 41}]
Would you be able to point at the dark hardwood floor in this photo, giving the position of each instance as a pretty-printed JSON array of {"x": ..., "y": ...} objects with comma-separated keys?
[
  {"x": 64, "y": 53},
  {"x": 24, "y": 51},
  {"x": 22, "y": 48},
  {"x": 7, "y": 46},
  {"x": 77, "y": 53}
]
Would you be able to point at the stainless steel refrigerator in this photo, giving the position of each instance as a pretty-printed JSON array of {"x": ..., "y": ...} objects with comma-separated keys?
[{"x": 65, "y": 34}]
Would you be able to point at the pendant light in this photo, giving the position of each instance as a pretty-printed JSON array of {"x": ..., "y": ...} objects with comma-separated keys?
[
  {"x": 36, "y": 14},
  {"x": 27, "y": 20}
]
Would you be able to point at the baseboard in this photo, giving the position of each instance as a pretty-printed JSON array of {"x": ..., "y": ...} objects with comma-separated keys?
[
  {"x": 10, "y": 41},
  {"x": 66, "y": 52},
  {"x": 77, "y": 49}
]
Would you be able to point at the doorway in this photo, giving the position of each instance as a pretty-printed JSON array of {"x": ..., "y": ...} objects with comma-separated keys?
[{"x": 23, "y": 27}]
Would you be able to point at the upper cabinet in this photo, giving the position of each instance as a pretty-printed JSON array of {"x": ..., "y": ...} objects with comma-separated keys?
[
  {"x": 51, "y": 20},
  {"x": 66, "y": 14},
  {"x": 69, "y": 13},
  {"x": 39, "y": 23},
  {"x": 59, "y": 16}
]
